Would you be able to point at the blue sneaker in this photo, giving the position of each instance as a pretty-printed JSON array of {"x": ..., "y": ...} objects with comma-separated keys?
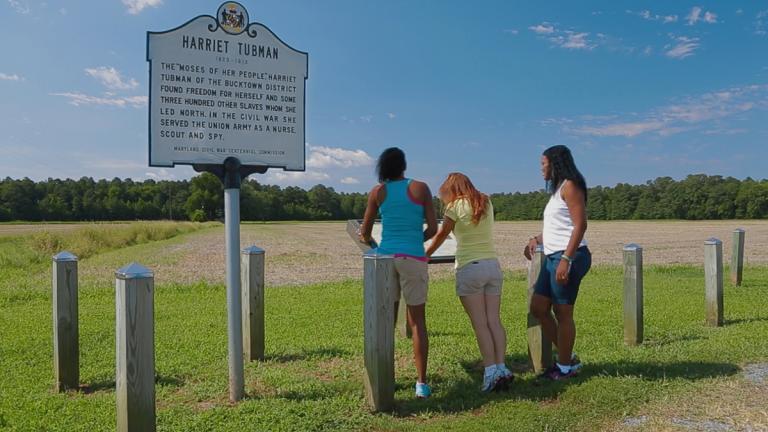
[{"x": 423, "y": 390}]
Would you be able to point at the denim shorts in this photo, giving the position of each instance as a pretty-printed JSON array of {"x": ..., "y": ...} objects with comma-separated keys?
[{"x": 546, "y": 284}]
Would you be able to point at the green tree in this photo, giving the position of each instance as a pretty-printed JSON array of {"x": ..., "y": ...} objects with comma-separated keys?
[{"x": 207, "y": 195}]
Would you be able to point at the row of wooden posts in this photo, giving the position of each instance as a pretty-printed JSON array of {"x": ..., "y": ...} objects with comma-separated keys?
[
  {"x": 379, "y": 311},
  {"x": 134, "y": 332},
  {"x": 134, "y": 305}
]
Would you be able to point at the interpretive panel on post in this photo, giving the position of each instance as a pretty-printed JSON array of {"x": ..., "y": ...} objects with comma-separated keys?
[{"x": 220, "y": 87}]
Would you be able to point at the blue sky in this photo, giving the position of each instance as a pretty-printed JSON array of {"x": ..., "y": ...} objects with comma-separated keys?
[{"x": 636, "y": 89}]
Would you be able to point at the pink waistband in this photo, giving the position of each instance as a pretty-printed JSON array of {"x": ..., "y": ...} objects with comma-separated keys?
[{"x": 417, "y": 258}]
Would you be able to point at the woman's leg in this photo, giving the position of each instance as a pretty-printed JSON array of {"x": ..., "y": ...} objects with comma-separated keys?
[
  {"x": 540, "y": 308},
  {"x": 474, "y": 305},
  {"x": 418, "y": 323},
  {"x": 566, "y": 333},
  {"x": 498, "y": 334}
]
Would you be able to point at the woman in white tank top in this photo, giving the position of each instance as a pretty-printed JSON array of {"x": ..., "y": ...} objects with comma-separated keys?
[{"x": 567, "y": 258}]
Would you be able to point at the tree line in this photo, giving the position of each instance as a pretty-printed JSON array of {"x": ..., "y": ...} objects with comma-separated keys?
[{"x": 201, "y": 198}]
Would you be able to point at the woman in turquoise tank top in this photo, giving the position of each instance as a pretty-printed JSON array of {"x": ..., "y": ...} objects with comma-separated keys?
[{"x": 404, "y": 205}]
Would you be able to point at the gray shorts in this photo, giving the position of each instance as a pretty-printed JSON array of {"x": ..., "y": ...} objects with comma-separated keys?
[
  {"x": 412, "y": 280},
  {"x": 479, "y": 277}
]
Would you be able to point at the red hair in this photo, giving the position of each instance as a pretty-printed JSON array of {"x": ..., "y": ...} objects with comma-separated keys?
[{"x": 458, "y": 185}]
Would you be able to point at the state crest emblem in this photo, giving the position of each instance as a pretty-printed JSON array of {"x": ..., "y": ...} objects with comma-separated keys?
[{"x": 233, "y": 17}]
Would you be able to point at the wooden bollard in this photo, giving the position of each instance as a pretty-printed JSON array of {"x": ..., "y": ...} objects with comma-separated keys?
[
  {"x": 402, "y": 319},
  {"x": 252, "y": 270},
  {"x": 378, "y": 330},
  {"x": 66, "y": 351},
  {"x": 713, "y": 276},
  {"x": 539, "y": 346},
  {"x": 135, "y": 346},
  {"x": 633, "y": 294},
  {"x": 737, "y": 257}
]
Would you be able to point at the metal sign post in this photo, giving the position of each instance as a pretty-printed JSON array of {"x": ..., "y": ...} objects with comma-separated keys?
[{"x": 227, "y": 96}]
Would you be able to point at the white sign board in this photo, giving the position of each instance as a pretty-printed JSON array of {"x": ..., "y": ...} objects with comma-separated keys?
[{"x": 224, "y": 87}]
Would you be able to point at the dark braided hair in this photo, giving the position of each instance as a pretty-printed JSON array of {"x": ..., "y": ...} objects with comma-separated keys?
[
  {"x": 563, "y": 168},
  {"x": 391, "y": 164}
]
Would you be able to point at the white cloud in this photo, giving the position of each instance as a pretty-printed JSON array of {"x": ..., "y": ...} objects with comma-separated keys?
[
  {"x": 326, "y": 165},
  {"x": 111, "y": 78},
  {"x": 136, "y": 6},
  {"x": 299, "y": 176},
  {"x": 760, "y": 24},
  {"x": 684, "y": 115},
  {"x": 694, "y": 15},
  {"x": 573, "y": 40},
  {"x": 326, "y": 157},
  {"x": 80, "y": 99},
  {"x": 511, "y": 31},
  {"x": 14, "y": 77},
  {"x": 20, "y": 6},
  {"x": 629, "y": 129},
  {"x": 543, "y": 28},
  {"x": 391, "y": 115},
  {"x": 682, "y": 48},
  {"x": 161, "y": 174},
  {"x": 366, "y": 118},
  {"x": 566, "y": 39},
  {"x": 63, "y": 11},
  {"x": 646, "y": 14}
]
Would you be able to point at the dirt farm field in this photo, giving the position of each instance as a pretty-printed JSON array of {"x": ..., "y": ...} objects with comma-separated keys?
[{"x": 311, "y": 252}]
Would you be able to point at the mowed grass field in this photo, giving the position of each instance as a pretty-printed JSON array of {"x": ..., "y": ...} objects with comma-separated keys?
[{"x": 686, "y": 376}]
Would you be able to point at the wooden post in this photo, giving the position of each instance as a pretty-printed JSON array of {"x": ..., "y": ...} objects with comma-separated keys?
[
  {"x": 135, "y": 346},
  {"x": 713, "y": 276},
  {"x": 379, "y": 338},
  {"x": 402, "y": 319},
  {"x": 633, "y": 294},
  {"x": 539, "y": 347},
  {"x": 737, "y": 257},
  {"x": 252, "y": 265},
  {"x": 66, "y": 351}
]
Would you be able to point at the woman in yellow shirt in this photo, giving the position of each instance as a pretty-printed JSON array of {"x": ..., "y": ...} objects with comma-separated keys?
[{"x": 469, "y": 214}]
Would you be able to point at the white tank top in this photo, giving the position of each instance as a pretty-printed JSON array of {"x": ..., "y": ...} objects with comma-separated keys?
[{"x": 558, "y": 225}]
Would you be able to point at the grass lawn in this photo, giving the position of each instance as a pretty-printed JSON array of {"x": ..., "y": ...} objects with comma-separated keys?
[{"x": 312, "y": 377}]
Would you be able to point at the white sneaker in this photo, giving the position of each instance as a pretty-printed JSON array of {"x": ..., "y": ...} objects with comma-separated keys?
[{"x": 490, "y": 381}]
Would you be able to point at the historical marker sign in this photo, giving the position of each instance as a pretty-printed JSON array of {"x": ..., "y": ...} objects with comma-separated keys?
[{"x": 223, "y": 87}]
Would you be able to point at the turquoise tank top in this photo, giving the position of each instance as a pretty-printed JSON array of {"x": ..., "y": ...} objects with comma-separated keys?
[{"x": 402, "y": 221}]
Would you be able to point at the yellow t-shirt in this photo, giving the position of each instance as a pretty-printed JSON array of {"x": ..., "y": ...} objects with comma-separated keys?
[{"x": 473, "y": 242}]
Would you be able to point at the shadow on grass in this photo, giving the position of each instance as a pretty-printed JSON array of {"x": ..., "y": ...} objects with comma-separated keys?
[
  {"x": 664, "y": 340},
  {"x": 315, "y": 354},
  {"x": 464, "y": 394},
  {"x": 744, "y": 320},
  {"x": 109, "y": 384}
]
